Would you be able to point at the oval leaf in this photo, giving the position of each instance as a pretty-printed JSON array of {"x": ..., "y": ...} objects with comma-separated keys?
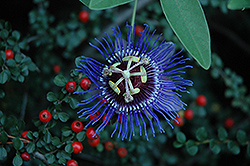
[
  {"x": 17, "y": 143},
  {"x": 101, "y": 4},
  {"x": 188, "y": 21},
  {"x": 238, "y": 4},
  {"x": 17, "y": 161}
]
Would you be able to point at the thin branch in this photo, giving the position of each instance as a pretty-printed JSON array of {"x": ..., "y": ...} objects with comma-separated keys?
[
  {"x": 22, "y": 139},
  {"x": 40, "y": 157}
]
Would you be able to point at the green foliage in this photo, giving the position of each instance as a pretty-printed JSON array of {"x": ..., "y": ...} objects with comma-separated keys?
[
  {"x": 201, "y": 134},
  {"x": 100, "y": 5},
  {"x": 17, "y": 161},
  {"x": 238, "y": 4},
  {"x": 189, "y": 24}
]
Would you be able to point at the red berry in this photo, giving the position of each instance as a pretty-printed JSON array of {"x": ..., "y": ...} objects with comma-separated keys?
[
  {"x": 85, "y": 83},
  {"x": 229, "y": 122},
  {"x": 103, "y": 120},
  {"x": 109, "y": 145},
  {"x": 77, "y": 126},
  {"x": 72, "y": 163},
  {"x": 94, "y": 142},
  {"x": 180, "y": 120},
  {"x": 9, "y": 54},
  {"x": 91, "y": 132},
  {"x": 201, "y": 100},
  {"x": 57, "y": 69},
  {"x": 77, "y": 147},
  {"x": 70, "y": 86},
  {"x": 189, "y": 114},
  {"x": 84, "y": 16},
  {"x": 25, "y": 156},
  {"x": 94, "y": 116},
  {"x": 24, "y": 134},
  {"x": 45, "y": 116},
  {"x": 122, "y": 152},
  {"x": 138, "y": 30}
]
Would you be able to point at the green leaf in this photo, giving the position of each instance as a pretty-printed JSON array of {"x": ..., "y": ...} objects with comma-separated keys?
[
  {"x": 66, "y": 131},
  {"x": 65, "y": 155},
  {"x": 73, "y": 102},
  {"x": 214, "y": 146},
  {"x": 32, "y": 66},
  {"x": 241, "y": 137},
  {"x": 17, "y": 143},
  {"x": 191, "y": 147},
  {"x": 20, "y": 78},
  {"x": 11, "y": 63},
  {"x": 2, "y": 94},
  {"x": 35, "y": 134},
  {"x": 180, "y": 136},
  {"x": 100, "y": 147},
  {"x": 51, "y": 97},
  {"x": 63, "y": 116},
  {"x": 60, "y": 80},
  {"x": 177, "y": 144},
  {"x": 56, "y": 141},
  {"x": 101, "y": 4},
  {"x": 238, "y": 4},
  {"x": 3, "y": 137},
  {"x": 77, "y": 61},
  {"x": 201, "y": 134},
  {"x": 188, "y": 21},
  {"x": 3, "y": 153},
  {"x": 31, "y": 147},
  {"x": 47, "y": 137},
  {"x": 17, "y": 161},
  {"x": 69, "y": 148},
  {"x": 222, "y": 134},
  {"x": 50, "y": 158},
  {"x": 233, "y": 147},
  {"x": 11, "y": 41},
  {"x": 4, "y": 34},
  {"x": 3, "y": 77},
  {"x": 81, "y": 136},
  {"x": 16, "y": 35}
]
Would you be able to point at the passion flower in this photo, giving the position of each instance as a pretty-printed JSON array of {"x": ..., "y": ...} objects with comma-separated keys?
[{"x": 137, "y": 82}]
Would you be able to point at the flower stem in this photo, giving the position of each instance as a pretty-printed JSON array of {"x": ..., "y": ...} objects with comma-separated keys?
[{"x": 134, "y": 13}]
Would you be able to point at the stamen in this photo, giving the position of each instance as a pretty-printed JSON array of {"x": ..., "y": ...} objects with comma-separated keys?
[
  {"x": 114, "y": 87},
  {"x": 129, "y": 88},
  {"x": 143, "y": 77}
]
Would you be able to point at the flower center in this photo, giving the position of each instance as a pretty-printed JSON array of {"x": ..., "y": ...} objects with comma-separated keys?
[{"x": 125, "y": 75}]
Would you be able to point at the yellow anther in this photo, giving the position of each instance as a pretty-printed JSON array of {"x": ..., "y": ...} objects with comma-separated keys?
[
  {"x": 136, "y": 90},
  {"x": 114, "y": 87},
  {"x": 143, "y": 77},
  {"x": 134, "y": 58}
]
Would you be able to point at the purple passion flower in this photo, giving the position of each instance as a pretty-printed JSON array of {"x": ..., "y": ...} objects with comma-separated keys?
[{"x": 136, "y": 84}]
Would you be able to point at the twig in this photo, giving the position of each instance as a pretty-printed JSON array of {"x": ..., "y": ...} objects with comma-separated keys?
[
  {"x": 40, "y": 157},
  {"x": 23, "y": 140}
]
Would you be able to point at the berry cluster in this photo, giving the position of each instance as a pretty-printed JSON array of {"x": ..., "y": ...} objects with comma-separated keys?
[
  {"x": 84, "y": 84},
  {"x": 94, "y": 140},
  {"x": 200, "y": 101}
]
